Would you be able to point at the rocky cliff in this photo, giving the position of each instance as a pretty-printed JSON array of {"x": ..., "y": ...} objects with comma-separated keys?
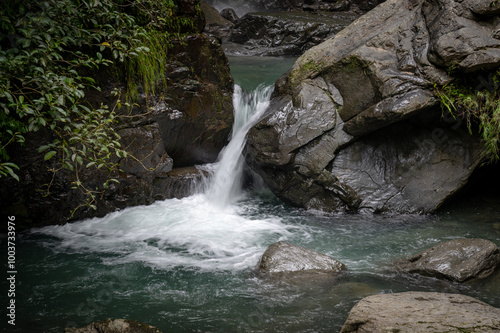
[{"x": 355, "y": 124}]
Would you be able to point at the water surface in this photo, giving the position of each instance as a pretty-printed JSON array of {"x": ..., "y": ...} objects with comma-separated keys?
[{"x": 188, "y": 265}]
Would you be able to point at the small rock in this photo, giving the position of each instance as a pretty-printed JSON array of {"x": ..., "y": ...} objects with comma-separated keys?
[
  {"x": 282, "y": 257},
  {"x": 229, "y": 14},
  {"x": 422, "y": 312},
  {"x": 114, "y": 326},
  {"x": 458, "y": 260}
]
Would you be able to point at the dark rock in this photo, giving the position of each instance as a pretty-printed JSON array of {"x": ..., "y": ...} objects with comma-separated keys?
[
  {"x": 284, "y": 34},
  {"x": 196, "y": 113},
  {"x": 216, "y": 24},
  {"x": 229, "y": 14},
  {"x": 355, "y": 125},
  {"x": 459, "y": 260},
  {"x": 422, "y": 312},
  {"x": 115, "y": 326},
  {"x": 180, "y": 183},
  {"x": 283, "y": 257}
]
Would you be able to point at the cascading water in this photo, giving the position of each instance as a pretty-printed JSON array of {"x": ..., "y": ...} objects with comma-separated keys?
[
  {"x": 225, "y": 185},
  {"x": 203, "y": 231}
]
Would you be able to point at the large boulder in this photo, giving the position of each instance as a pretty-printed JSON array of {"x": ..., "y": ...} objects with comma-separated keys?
[
  {"x": 355, "y": 124},
  {"x": 421, "y": 312},
  {"x": 282, "y": 257},
  {"x": 458, "y": 260}
]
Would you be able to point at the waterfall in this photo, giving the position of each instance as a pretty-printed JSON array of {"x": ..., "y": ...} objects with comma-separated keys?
[{"x": 225, "y": 187}]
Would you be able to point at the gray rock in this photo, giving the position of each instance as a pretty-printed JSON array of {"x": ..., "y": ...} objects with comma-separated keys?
[
  {"x": 216, "y": 24},
  {"x": 421, "y": 312},
  {"x": 283, "y": 257},
  {"x": 283, "y": 33},
  {"x": 115, "y": 326},
  {"x": 229, "y": 14},
  {"x": 355, "y": 125},
  {"x": 459, "y": 260}
]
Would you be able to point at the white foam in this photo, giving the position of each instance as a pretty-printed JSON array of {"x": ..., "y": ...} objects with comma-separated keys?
[{"x": 203, "y": 231}]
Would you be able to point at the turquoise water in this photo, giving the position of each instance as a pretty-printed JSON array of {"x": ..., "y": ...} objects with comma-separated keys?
[{"x": 188, "y": 265}]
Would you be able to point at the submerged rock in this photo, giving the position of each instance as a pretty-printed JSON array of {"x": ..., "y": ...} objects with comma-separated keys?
[
  {"x": 355, "y": 125},
  {"x": 282, "y": 257},
  {"x": 115, "y": 326},
  {"x": 459, "y": 260},
  {"x": 422, "y": 312}
]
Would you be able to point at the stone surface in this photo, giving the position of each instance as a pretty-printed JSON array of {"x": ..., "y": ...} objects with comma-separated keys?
[
  {"x": 297, "y": 5},
  {"x": 422, "y": 312},
  {"x": 459, "y": 260},
  {"x": 195, "y": 111},
  {"x": 283, "y": 33},
  {"x": 283, "y": 257},
  {"x": 216, "y": 24},
  {"x": 355, "y": 125},
  {"x": 114, "y": 326}
]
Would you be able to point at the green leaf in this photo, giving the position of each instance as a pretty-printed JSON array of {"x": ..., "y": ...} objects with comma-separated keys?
[
  {"x": 49, "y": 155},
  {"x": 41, "y": 149},
  {"x": 10, "y": 172}
]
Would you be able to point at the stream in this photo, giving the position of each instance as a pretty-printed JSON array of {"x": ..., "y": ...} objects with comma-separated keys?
[{"x": 188, "y": 265}]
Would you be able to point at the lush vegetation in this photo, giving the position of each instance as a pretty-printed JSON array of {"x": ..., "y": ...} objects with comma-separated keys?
[
  {"x": 479, "y": 104},
  {"x": 49, "y": 53}
]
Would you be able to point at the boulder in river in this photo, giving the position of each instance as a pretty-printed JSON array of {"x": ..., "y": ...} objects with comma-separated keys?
[
  {"x": 458, "y": 260},
  {"x": 355, "y": 124},
  {"x": 115, "y": 326},
  {"x": 282, "y": 257},
  {"x": 428, "y": 312}
]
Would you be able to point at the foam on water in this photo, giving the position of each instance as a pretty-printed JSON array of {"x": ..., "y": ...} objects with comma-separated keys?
[
  {"x": 203, "y": 231},
  {"x": 190, "y": 232}
]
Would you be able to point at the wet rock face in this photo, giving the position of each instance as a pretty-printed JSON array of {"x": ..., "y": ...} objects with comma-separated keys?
[
  {"x": 283, "y": 257},
  {"x": 355, "y": 125},
  {"x": 422, "y": 312},
  {"x": 281, "y": 33},
  {"x": 458, "y": 260},
  {"x": 196, "y": 114}
]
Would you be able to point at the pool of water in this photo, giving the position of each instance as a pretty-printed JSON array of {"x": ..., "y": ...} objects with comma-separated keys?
[{"x": 188, "y": 265}]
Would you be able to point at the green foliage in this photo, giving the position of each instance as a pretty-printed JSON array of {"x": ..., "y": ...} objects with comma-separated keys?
[
  {"x": 477, "y": 106},
  {"x": 49, "y": 50}
]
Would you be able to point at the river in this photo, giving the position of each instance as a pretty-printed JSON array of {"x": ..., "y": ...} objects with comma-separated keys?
[{"x": 188, "y": 265}]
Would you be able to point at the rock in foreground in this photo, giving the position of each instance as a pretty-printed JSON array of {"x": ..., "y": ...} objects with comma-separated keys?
[
  {"x": 115, "y": 326},
  {"x": 458, "y": 260},
  {"x": 282, "y": 257},
  {"x": 422, "y": 312}
]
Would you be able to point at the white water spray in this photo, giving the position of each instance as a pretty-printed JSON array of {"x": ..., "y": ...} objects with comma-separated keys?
[
  {"x": 204, "y": 230},
  {"x": 225, "y": 186}
]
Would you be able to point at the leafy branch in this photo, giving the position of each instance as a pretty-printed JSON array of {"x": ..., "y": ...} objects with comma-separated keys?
[{"x": 479, "y": 106}]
